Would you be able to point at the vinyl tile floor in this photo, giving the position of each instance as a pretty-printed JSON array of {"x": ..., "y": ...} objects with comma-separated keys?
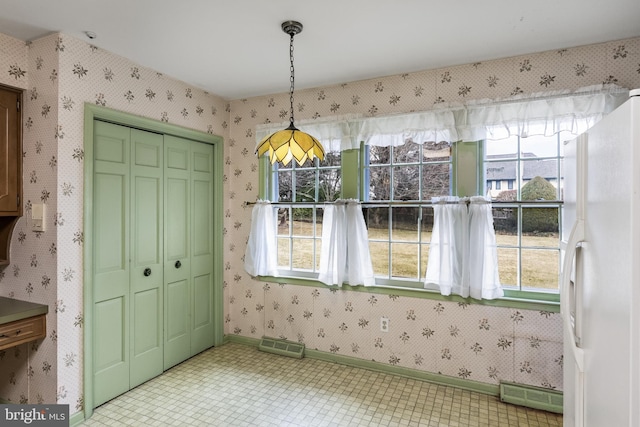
[{"x": 237, "y": 385}]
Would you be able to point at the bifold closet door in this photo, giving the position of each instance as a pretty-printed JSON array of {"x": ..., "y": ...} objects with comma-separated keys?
[
  {"x": 147, "y": 247},
  {"x": 127, "y": 263},
  {"x": 188, "y": 264}
]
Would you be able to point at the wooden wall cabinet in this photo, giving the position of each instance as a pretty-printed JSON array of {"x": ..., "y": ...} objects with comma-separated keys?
[{"x": 10, "y": 166}]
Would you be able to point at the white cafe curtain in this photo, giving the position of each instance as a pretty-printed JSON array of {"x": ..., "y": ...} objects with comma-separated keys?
[
  {"x": 260, "y": 258},
  {"x": 483, "y": 253},
  {"x": 345, "y": 257},
  {"x": 463, "y": 257}
]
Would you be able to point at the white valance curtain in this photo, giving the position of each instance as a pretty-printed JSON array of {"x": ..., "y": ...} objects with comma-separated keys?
[
  {"x": 260, "y": 257},
  {"x": 544, "y": 113},
  {"x": 463, "y": 257},
  {"x": 345, "y": 257}
]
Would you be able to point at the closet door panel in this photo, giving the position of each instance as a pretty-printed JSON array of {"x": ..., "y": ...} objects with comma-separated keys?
[
  {"x": 147, "y": 194},
  {"x": 177, "y": 252},
  {"x": 202, "y": 246},
  {"x": 111, "y": 253}
]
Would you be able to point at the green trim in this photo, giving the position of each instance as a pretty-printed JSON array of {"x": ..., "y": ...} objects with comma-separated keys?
[
  {"x": 76, "y": 419},
  {"x": 350, "y": 171},
  {"x": 512, "y": 299},
  {"x": 467, "y": 170},
  {"x": 475, "y": 386},
  {"x": 91, "y": 113},
  {"x": 264, "y": 177}
]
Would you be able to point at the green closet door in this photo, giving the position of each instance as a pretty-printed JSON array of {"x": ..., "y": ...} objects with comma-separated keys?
[
  {"x": 201, "y": 246},
  {"x": 146, "y": 278},
  {"x": 111, "y": 261},
  {"x": 177, "y": 251},
  {"x": 128, "y": 250},
  {"x": 188, "y": 249}
]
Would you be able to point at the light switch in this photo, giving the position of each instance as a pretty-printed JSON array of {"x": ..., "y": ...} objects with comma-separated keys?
[{"x": 37, "y": 217}]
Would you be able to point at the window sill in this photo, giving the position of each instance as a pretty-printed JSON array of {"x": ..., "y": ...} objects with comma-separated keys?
[{"x": 540, "y": 301}]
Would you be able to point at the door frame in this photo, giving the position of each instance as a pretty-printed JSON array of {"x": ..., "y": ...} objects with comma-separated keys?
[{"x": 91, "y": 113}]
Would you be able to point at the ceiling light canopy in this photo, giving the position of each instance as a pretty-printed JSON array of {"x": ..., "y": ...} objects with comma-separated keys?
[{"x": 290, "y": 143}]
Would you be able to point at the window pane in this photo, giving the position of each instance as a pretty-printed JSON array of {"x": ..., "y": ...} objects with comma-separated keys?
[
  {"x": 505, "y": 224},
  {"x": 283, "y": 222},
  {"x": 303, "y": 224},
  {"x": 543, "y": 176},
  {"x": 405, "y": 224},
  {"x": 284, "y": 259},
  {"x": 329, "y": 182},
  {"x": 285, "y": 192},
  {"x": 377, "y": 220},
  {"x": 540, "y": 269},
  {"x": 508, "y": 266},
  {"x": 305, "y": 185},
  {"x": 303, "y": 254},
  {"x": 379, "y": 155},
  {"x": 380, "y": 258},
  {"x": 404, "y": 260},
  {"x": 540, "y": 227},
  {"x": 436, "y": 180},
  {"x": 406, "y": 153},
  {"x": 406, "y": 183},
  {"x": 539, "y": 222},
  {"x": 424, "y": 260},
  {"x": 380, "y": 183},
  {"x": 497, "y": 172}
]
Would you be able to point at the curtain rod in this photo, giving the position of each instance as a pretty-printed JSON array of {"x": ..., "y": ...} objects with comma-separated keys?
[{"x": 418, "y": 203}]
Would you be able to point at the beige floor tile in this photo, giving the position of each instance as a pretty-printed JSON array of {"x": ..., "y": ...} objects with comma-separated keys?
[{"x": 236, "y": 385}]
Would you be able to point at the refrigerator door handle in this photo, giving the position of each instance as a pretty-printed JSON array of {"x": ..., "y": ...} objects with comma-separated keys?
[{"x": 576, "y": 236}]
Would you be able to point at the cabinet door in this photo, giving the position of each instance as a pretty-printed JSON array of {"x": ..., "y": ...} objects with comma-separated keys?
[{"x": 10, "y": 153}]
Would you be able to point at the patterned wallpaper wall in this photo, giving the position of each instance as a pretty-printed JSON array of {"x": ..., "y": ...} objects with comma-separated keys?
[
  {"x": 468, "y": 341},
  {"x": 60, "y": 73}
]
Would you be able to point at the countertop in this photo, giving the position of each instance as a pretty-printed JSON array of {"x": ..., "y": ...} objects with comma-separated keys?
[{"x": 15, "y": 309}]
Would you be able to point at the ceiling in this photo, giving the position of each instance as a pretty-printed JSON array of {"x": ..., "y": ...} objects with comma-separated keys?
[{"x": 236, "y": 48}]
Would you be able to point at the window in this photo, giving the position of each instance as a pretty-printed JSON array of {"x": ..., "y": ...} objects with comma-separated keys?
[
  {"x": 527, "y": 230},
  {"x": 395, "y": 180},
  {"x": 399, "y": 226},
  {"x": 300, "y": 226}
]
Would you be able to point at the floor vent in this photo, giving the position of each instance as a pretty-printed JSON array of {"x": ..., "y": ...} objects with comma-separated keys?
[
  {"x": 531, "y": 397},
  {"x": 282, "y": 347}
]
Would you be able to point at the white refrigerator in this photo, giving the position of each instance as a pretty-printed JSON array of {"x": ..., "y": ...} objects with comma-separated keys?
[{"x": 600, "y": 276}]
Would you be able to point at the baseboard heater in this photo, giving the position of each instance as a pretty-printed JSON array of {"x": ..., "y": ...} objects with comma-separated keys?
[
  {"x": 282, "y": 347},
  {"x": 531, "y": 397}
]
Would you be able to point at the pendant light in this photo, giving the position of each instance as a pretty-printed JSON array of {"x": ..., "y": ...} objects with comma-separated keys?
[{"x": 290, "y": 143}]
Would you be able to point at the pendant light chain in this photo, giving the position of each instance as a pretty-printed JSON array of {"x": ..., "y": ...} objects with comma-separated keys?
[
  {"x": 292, "y": 78},
  {"x": 291, "y": 143}
]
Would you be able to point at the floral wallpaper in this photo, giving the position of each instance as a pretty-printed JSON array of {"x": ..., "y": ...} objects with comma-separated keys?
[
  {"x": 469, "y": 341},
  {"x": 60, "y": 73}
]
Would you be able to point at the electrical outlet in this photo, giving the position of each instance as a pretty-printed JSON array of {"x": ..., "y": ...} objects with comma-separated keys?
[{"x": 384, "y": 324}]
